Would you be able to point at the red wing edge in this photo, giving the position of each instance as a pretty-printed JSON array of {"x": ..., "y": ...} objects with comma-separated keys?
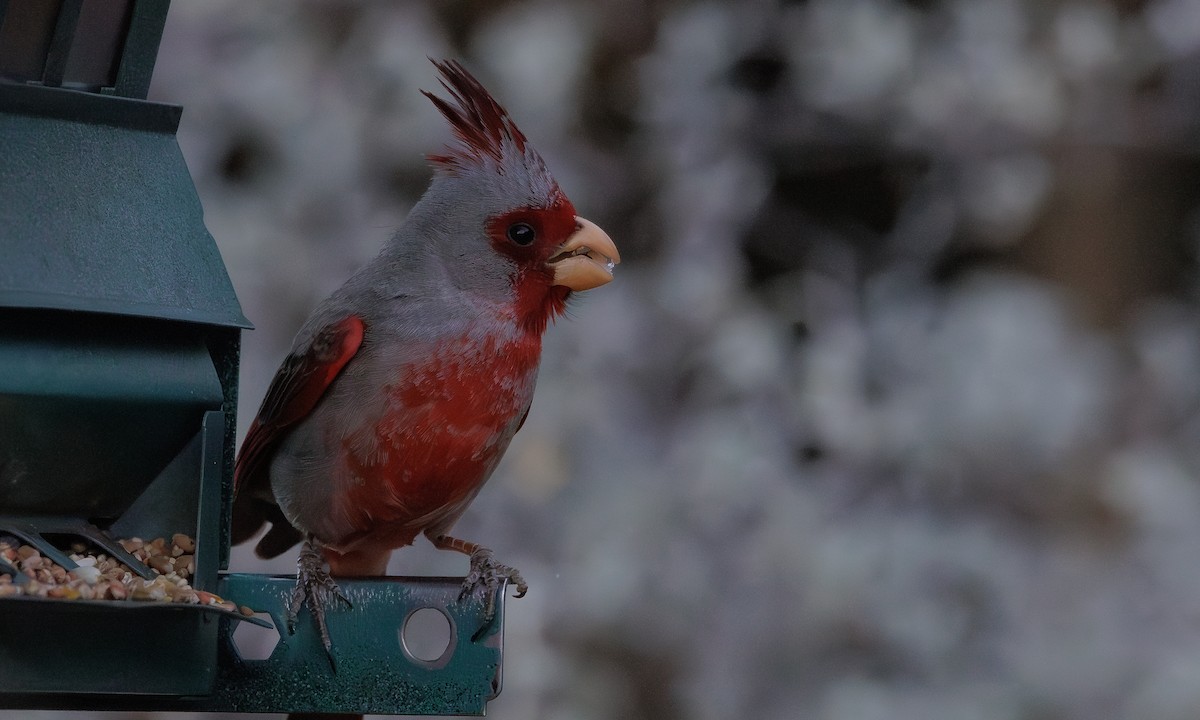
[{"x": 295, "y": 390}]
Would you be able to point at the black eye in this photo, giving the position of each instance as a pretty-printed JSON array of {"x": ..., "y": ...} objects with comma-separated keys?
[{"x": 521, "y": 233}]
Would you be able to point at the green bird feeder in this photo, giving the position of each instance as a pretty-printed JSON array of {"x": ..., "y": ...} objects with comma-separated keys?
[{"x": 119, "y": 341}]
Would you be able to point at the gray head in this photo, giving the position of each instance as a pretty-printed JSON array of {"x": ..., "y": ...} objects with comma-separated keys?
[{"x": 493, "y": 222}]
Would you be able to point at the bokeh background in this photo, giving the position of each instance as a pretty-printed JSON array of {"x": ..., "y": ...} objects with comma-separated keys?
[{"x": 892, "y": 411}]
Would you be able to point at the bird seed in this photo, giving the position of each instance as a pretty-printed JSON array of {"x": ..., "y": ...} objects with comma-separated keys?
[{"x": 100, "y": 577}]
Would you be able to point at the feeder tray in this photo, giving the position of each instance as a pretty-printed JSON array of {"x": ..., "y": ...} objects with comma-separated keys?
[{"x": 119, "y": 342}]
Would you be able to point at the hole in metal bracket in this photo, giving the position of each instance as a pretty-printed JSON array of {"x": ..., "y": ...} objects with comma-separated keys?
[
  {"x": 428, "y": 636},
  {"x": 254, "y": 642}
]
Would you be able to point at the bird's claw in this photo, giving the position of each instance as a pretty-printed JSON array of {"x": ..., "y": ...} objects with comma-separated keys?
[
  {"x": 489, "y": 575},
  {"x": 317, "y": 588}
]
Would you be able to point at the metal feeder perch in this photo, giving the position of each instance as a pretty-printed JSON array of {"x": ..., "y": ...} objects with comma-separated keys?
[{"x": 119, "y": 341}]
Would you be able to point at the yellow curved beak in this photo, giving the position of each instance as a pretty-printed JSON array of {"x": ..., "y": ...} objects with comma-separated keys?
[{"x": 586, "y": 260}]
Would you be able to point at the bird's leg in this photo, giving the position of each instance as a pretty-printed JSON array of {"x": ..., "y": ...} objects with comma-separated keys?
[
  {"x": 485, "y": 572},
  {"x": 314, "y": 585}
]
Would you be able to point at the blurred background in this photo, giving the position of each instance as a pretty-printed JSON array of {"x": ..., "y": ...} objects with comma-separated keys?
[{"x": 893, "y": 408}]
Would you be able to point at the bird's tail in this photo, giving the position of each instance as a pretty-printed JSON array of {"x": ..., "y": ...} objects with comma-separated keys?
[{"x": 250, "y": 514}]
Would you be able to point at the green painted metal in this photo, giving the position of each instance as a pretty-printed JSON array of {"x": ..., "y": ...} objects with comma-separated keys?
[
  {"x": 99, "y": 183},
  {"x": 119, "y": 342},
  {"x": 157, "y": 668},
  {"x": 60, "y": 42},
  {"x": 75, "y": 390},
  {"x": 57, "y": 653},
  {"x": 374, "y": 673},
  {"x": 105, "y": 46},
  {"x": 141, "y": 48}
]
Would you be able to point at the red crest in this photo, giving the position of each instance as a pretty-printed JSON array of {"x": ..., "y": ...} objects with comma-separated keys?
[{"x": 478, "y": 120}]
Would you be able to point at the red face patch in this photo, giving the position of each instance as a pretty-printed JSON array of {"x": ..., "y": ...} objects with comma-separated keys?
[
  {"x": 544, "y": 230},
  {"x": 529, "y": 237}
]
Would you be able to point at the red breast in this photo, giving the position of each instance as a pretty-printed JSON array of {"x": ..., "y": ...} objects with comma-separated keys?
[{"x": 448, "y": 422}]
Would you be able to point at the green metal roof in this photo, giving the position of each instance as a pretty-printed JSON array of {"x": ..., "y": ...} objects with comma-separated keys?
[{"x": 98, "y": 212}]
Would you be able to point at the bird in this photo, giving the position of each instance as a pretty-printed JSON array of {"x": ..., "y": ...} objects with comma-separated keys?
[{"x": 405, "y": 386}]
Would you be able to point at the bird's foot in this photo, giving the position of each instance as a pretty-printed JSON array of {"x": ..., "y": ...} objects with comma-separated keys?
[
  {"x": 488, "y": 574},
  {"x": 317, "y": 588}
]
